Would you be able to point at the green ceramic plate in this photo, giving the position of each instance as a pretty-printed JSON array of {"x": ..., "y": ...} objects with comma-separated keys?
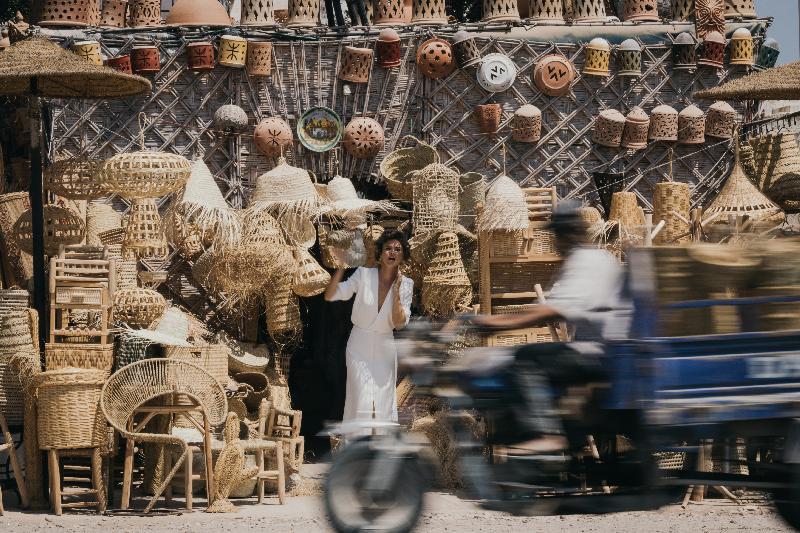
[{"x": 319, "y": 129}]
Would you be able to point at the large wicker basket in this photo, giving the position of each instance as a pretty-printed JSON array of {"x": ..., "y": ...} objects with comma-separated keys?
[
  {"x": 94, "y": 356},
  {"x": 395, "y": 167},
  {"x": 213, "y": 358},
  {"x": 68, "y": 403}
]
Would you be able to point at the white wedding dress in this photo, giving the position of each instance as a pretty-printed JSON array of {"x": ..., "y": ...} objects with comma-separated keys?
[{"x": 371, "y": 354}]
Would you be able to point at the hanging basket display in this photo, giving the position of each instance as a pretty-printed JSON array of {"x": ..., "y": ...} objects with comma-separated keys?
[
  {"x": 397, "y": 166},
  {"x": 61, "y": 226},
  {"x": 144, "y": 174},
  {"x": 309, "y": 279},
  {"x": 76, "y": 178}
]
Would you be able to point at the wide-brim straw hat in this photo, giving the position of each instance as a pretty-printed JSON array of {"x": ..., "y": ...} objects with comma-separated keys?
[
  {"x": 779, "y": 83},
  {"x": 342, "y": 199},
  {"x": 505, "y": 207},
  {"x": 172, "y": 329},
  {"x": 62, "y": 74},
  {"x": 203, "y": 204},
  {"x": 286, "y": 188}
]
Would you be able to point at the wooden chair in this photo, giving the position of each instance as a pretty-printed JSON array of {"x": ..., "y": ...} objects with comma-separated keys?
[
  {"x": 128, "y": 391},
  {"x": 287, "y": 433},
  {"x": 8, "y": 446}
]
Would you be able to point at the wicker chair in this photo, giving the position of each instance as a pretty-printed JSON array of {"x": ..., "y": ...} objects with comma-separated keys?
[{"x": 128, "y": 390}]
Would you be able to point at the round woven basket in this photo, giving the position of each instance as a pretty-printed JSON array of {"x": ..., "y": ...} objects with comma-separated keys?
[
  {"x": 68, "y": 409},
  {"x": 12, "y": 205},
  {"x": 144, "y": 174},
  {"x": 246, "y": 357},
  {"x": 76, "y": 178},
  {"x": 435, "y": 198},
  {"x": 396, "y": 166},
  {"x": 61, "y": 226},
  {"x": 16, "y": 339},
  {"x": 282, "y": 309},
  {"x": 100, "y": 217},
  {"x": 144, "y": 235},
  {"x": 259, "y": 388},
  {"x": 625, "y": 210},
  {"x": 310, "y": 279},
  {"x": 472, "y": 191},
  {"x": 446, "y": 288},
  {"x": 138, "y": 307},
  {"x": 505, "y": 207},
  {"x": 590, "y": 216}
]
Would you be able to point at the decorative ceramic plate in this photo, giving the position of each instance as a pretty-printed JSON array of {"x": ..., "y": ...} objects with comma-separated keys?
[
  {"x": 496, "y": 73},
  {"x": 319, "y": 129}
]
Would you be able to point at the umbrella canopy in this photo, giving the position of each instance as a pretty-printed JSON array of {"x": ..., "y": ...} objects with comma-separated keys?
[
  {"x": 779, "y": 83},
  {"x": 61, "y": 74}
]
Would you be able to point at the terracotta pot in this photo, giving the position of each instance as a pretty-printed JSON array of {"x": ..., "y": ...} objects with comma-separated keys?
[{"x": 145, "y": 59}]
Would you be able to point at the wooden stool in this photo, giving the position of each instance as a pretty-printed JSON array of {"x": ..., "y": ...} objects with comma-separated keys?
[
  {"x": 98, "y": 489},
  {"x": 288, "y": 433},
  {"x": 8, "y": 446}
]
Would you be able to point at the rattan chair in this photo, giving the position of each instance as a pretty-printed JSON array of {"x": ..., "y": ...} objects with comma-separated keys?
[{"x": 195, "y": 393}]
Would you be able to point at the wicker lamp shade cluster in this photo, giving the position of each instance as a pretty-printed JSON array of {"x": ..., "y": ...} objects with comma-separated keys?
[{"x": 690, "y": 126}]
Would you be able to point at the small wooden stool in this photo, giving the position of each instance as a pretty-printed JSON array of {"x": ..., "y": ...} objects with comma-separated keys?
[
  {"x": 8, "y": 446},
  {"x": 98, "y": 489}
]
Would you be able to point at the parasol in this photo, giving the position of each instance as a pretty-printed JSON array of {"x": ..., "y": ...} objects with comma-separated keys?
[{"x": 779, "y": 83}]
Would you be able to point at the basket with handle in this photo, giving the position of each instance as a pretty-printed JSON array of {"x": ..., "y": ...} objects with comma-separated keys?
[{"x": 396, "y": 166}]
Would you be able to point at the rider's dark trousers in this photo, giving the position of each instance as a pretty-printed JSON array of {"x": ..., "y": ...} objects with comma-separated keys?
[{"x": 538, "y": 368}]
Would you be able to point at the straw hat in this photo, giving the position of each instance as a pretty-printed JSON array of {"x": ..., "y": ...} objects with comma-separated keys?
[
  {"x": 286, "y": 188},
  {"x": 446, "y": 287},
  {"x": 342, "y": 199},
  {"x": 505, "y": 207},
  {"x": 172, "y": 329}
]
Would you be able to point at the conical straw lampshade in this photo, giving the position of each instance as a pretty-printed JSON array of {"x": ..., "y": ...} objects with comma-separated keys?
[
  {"x": 446, "y": 288},
  {"x": 286, "y": 188},
  {"x": 505, "y": 207}
]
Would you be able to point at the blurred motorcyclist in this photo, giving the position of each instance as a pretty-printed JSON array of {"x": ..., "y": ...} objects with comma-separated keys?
[{"x": 588, "y": 295}]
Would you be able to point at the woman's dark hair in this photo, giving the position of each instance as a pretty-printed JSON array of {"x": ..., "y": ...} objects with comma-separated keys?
[{"x": 392, "y": 235}]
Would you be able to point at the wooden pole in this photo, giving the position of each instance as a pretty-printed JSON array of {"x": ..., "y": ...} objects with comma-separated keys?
[{"x": 37, "y": 212}]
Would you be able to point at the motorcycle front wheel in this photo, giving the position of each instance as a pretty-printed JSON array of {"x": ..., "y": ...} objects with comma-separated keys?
[{"x": 351, "y": 508}]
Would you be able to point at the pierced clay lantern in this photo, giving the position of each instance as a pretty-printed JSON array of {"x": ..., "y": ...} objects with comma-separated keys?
[
  {"x": 768, "y": 54},
  {"x": 547, "y": 10},
  {"x": 663, "y": 124},
  {"x": 691, "y": 126},
  {"x": 641, "y": 11},
  {"x": 259, "y": 58},
  {"x": 69, "y": 13},
  {"x": 145, "y": 59},
  {"x": 554, "y": 74},
  {"x": 363, "y": 138},
  {"x": 684, "y": 55},
  {"x": 500, "y": 10},
  {"x": 637, "y": 125},
  {"x": 198, "y": 13},
  {"x": 200, "y": 57},
  {"x": 630, "y": 58},
  {"x": 742, "y": 47},
  {"x": 272, "y": 136},
  {"x": 465, "y": 49},
  {"x": 144, "y": 13},
  {"x": 388, "y": 12},
  {"x": 488, "y": 117},
  {"x": 608, "y": 128},
  {"x": 435, "y": 58},
  {"x": 232, "y": 51},
  {"x": 429, "y": 12},
  {"x": 682, "y": 10},
  {"x": 720, "y": 120},
  {"x": 89, "y": 50},
  {"x": 496, "y": 73},
  {"x": 303, "y": 13},
  {"x": 387, "y": 48},
  {"x": 526, "y": 124},
  {"x": 598, "y": 58},
  {"x": 588, "y": 10},
  {"x": 113, "y": 14},
  {"x": 256, "y": 12},
  {"x": 121, "y": 63},
  {"x": 356, "y": 64},
  {"x": 713, "y": 54},
  {"x": 745, "y": 9}
]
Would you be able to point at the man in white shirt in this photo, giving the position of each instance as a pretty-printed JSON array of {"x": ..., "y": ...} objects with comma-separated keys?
[{"x": 588, "y": 295}]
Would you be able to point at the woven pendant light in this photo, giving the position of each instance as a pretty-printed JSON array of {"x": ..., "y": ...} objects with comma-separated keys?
[
  {"x": 309, "y": 279},
  {"x": 144, "y": 235},
  {"x": 61, "y": 226},
  {"x": 144, "y": 174},
  {"x": 505, "y": 207},
  {"x": 776, "y": 168},
  {"x": 435, "y": 198},
  {"x": 282, "y": 311},
  {"x": 75, "y": 178},
  {"x": 446, "y": 288},
  {"x": 286, "y": 188}
]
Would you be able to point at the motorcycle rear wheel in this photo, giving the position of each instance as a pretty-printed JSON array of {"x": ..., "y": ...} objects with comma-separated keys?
[{"x": 351, "y": 509}]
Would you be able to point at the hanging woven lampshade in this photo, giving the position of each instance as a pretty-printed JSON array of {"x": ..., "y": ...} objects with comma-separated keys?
[
  {"x": 144, "y": 235},
  {"x": 671, "y": 199},
  {"x": 137, "y": 307},
  {"x": 526, "y": 125},
  {"x": 742, "y": 47},
  {"x": 260, "y": 228},
  {"x": 273, "y": 136},
  {"x": 630, "y": 58},
  {"x": 435, "y": 198},
  {"x": 472, "y": 191},
  {"x": 768, "y": 54},
  {"x": 446, "y": 288},
  {"x": 713, "y": 50},
  {"x": 243, "y": 271},
  {"x": 625, "y": 210},
  {"x": 61, "y": 226},
  {"x": 282, "y": 309},
  {"x": 598, "y": 58},
  {"x": 343, "y": 199},
  {"x": 144, "y": 174},
  {"x": 465, "y": 49},
  {"x": 776, "y": 168},
  {"x": 75, "y": 178},
  {"x": 230, "y": 119},
  {"x": 608, "y": 128},
  {"x": 505, "y": 207},
  {"x": 684, "y": 53},
  {"x": 310, "y": 279},
  {"x": 285, "y": 188},
  {"x": 745, "y": 9}
]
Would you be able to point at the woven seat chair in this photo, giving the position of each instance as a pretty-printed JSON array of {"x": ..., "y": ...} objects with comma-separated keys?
[{"x": 128, "y": 390}]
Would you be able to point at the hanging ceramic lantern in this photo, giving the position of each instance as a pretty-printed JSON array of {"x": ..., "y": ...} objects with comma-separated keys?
[
  {"x": 554, "y": 74},
  {"x": 259, "y": 58},
  {"x": 273, "y": 136},
  {"x": 230, "y": 118},
  {"x": 465, "y": 49},
  {"x": 691, "y": 126},
  {"x": 768, "y": 54},
  {"x": 630, "y": 58},
  {"x": 89, "y": 50},
  {"x": 720, "y": 121},
  {"x": 356, "y": 64},
  {"x": 740, "y": 9},
  {"x": 429, "y": 12},
  {"x": 496, "y": 73},
  {"x": 641, "y": 11},
  {"x": 526, "y": 124},
  {"x": 303, "y": 13},
  {"x": 387, "y": 48},
  {"x": 257, "y": 12},
  {"x": 145, "y": 59},
  {"x": 637, "y": 125},
  {"x": 663, "y": 124},
  {"x": 500, "y": 10},
  {"x": 198, "y": 13},
  {"x": 684, "y": 56},
  {"x": 435, "y": 58},
  {"x": 388, "y": 12},
  {"x": 488, "y": 117},
  {"x": 121, "y": 63},
  {"x": 113, "y": 14},
  {"x": 547, "y": 10},
  {"x": 363, "y": 138},
  {"x": 713, "y": 54},
  {"x": 144, "y": 13},
  {"x": 232, "y": 51},
  {"x": 588, "y": 10},
  {"x": 73, "y": 13},
  {"x": 200, "y": 57},
  {"x": 742, "y": 47},
  {"x": 598, "y": 58},
  {"x": 608, "y": 128},
  {"x": 682, "y": 10}
]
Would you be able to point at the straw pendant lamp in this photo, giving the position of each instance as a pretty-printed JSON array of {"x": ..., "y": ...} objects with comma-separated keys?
[
  {"x": 435, "y": 198},
  {"x": 282, "y": 310},
  {"x": 62, "y": 225},
  {"x": 75, "y": 178},
  {"x": 776, "y": 168},
  {"x": 310, "y": 279},
  {"x": 625, "y": 210},
  {"x": 286, "y": 188},
  {"x": 100, "y": 216},
  {"x": 446, "y": 288},
  {"x": 505, "y": 207},
  {"x": 343, "y": 200},
  {"x": 144, "y": 233},
  {"x": 245, "y": 271}
]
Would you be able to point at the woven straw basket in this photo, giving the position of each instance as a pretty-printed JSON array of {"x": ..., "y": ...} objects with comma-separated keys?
[
  {"x": 472, "y": 192},
  {"x": 310, "y": 279},
  {"x": 397, "y": 165},
  {"x": 76, "y": 178},
  {"x": 213, "y": 358},
  {"x": 144, "y": 174},
  {"x": 446, "y": 289},
  {"x": 13, "y": 300},
  {"x": 243, "y": 271},
  {"x": 282, "y": 309},
  {"x": 61, "y": 226},
  {"x": 100, "y": 217},
  {"x": 68, "y": 403},
  {"x": 259, "y": 385},
  {"x": 435, "y": 198},
  {"x": 776, "y": 168},
  {"x": 138, "y": 307},
  {"x": 245, "y": 357},
  {"x": 13, "y": 205},
  {"x": 16, "y": 338},
  {"x": 669, "y": 200},
  {"x": 144, "y": 235},
  {"x": 94, "y": 356},
  {"x": 341, "y": 248}
]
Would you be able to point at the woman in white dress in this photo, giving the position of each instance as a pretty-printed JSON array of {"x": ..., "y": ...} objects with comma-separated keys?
[{"x": 382, "y": 304}]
